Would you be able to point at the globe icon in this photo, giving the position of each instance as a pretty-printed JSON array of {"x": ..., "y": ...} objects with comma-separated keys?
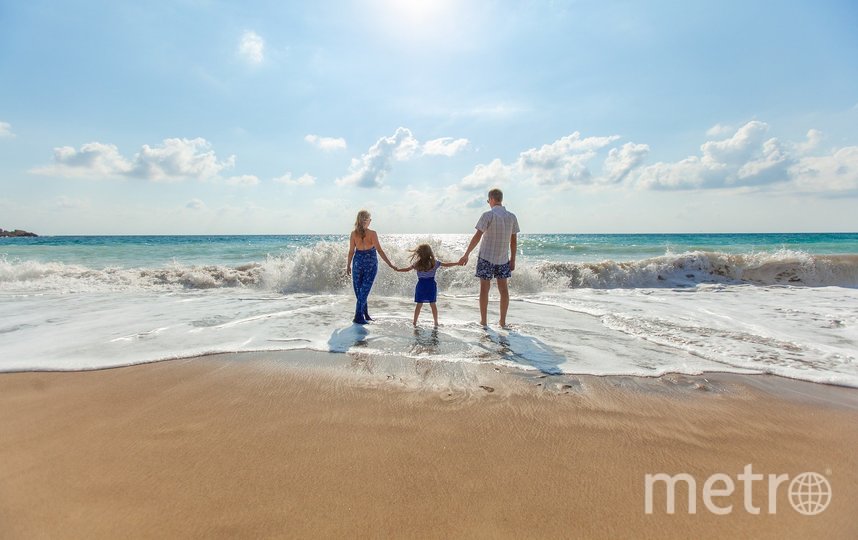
[{"x": 809, "y": 493}]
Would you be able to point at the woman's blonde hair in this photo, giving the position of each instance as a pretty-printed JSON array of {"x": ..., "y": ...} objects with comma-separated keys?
[
  {"x": 360, "y": 228},
  {"x": 422, "y": 258}
]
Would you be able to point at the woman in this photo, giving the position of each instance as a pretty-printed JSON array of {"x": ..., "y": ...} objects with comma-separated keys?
[{"x": 363, "y": 264}]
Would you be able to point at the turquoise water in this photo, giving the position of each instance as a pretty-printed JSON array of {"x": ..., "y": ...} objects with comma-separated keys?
[
  {"x": 627, "y": 247},
  {"x": 158, "y": 251}
]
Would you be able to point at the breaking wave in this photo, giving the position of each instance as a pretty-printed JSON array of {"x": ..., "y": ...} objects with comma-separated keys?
[
  {"x": 783, "y": 267},
  {"x": 321, "y": 269}
]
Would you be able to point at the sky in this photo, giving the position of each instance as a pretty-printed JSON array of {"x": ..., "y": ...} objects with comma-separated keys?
[{"x": 287, "y": 117}]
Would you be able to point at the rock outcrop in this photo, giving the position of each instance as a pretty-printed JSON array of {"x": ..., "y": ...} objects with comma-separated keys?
[{"x": 16, "y": 232}]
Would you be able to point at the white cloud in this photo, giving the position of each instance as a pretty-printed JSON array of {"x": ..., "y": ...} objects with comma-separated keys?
[
  {"x": 687, "y": 173},
  {"x": 326, "y": 143},
  {"x": 747, "y": 158},
  {"x": 769, "y": 166},
  {"x": 740, "y": 147},
  {"x": 486, "y": 176},
  {"x": 814, "y": 139},
  {"x": 837, "y": 171},
  {"x": 6, "y": 130},
  {"x": 179, "y": 159},
  {"x": 369, "y": 171},
  {"x": 719, "y": 130},
  {"x": 93, "y": 160},
  {"x": 621, "y": 161},
  {"x": 561, "y": 163},
  {"x": 303, "y": 180},
  {"x": 174, "y": 160},
  {"x": 445, "y": 146},
  {"x": 245, "y": 180},
  {"x": 252, "y": 47},
  {"x": 478, "y": 201},
  {"x": 196, "y": 204}
]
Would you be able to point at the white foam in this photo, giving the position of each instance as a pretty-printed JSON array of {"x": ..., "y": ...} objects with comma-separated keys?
[
  {"x": 798, "y": 332},
  {"x": 691, "y": 313},
  {"x": 321, "y": 269}
]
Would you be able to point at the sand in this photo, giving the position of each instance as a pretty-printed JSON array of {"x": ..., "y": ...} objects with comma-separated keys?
[{"x": 312, "y": 445}]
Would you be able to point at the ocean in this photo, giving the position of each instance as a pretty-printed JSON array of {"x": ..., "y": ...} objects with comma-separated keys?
[{"x": 648, "y": 304}]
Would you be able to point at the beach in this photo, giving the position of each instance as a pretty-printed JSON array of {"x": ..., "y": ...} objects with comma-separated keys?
[
  {"x": 634, "y": 224},
  {"x": 647, "y": 386},
  {"x": 298, "y": 444}
]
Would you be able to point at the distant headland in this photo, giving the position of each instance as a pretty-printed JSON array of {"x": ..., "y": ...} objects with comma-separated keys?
[{"x": 16, "y": 232}]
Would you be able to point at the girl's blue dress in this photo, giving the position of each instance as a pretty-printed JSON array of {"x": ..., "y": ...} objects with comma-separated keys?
[{"x": 427, "y": 289}]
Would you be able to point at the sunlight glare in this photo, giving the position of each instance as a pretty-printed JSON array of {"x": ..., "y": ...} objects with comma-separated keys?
[{"x": 417, "y": 19}]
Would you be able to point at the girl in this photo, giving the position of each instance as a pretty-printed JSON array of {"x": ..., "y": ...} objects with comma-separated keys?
[
  {"x": 423, "y": 260},
  {"x": 363, "y": 263}
]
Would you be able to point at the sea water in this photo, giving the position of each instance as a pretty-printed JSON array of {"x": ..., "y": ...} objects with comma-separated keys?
[{"x": 785, "y": 304}]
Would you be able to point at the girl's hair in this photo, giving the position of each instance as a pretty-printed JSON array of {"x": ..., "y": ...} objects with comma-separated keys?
[
  {"x": 360, "y": 228},
  {"x": 422, "y": 258}
]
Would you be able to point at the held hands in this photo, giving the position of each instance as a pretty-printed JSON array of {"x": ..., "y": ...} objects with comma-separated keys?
[{"x": 461, "y": 262}]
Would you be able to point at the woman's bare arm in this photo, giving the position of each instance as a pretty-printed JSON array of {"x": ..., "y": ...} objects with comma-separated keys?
[
  {"x": 351, "y": 253},
  {"x": 378, "y": 248}
]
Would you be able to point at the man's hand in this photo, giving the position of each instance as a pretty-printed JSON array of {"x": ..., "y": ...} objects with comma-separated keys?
[
  {"x": 511, "y": 265},
  {"x": 463, "y": 261}
]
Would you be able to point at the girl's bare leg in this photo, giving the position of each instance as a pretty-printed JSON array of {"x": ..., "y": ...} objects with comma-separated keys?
[
  {"x": 417, "y": 309},
  {"x": 434, "y": 313}
]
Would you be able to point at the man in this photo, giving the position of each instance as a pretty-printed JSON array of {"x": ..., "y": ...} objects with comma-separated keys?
[{"x": 498, "y": 229}]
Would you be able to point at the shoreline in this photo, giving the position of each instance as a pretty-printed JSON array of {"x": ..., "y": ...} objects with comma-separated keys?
[
  {"x": 321, "y": 444},
  {"x": 336, "y": 362}
]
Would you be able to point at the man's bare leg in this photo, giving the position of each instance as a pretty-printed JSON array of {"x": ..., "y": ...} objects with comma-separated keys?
[
  {"x": 503, "y": 289},
  {"x": 485, "y": 285}
]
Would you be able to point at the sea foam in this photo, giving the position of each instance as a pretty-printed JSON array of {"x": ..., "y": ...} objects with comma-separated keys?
[
  {"x": 321, "y": 269},
  {"x": 785, "y": 312}
]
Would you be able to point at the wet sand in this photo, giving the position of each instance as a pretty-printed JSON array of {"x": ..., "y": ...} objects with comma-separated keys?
[{"x": 308, "y": 445}]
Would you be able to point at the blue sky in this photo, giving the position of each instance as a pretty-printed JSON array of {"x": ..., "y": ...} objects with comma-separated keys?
[{"x": 206, "y": 117}]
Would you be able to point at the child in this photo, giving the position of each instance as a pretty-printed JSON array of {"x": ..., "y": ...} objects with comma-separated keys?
[{"x": 423, "y": 260}]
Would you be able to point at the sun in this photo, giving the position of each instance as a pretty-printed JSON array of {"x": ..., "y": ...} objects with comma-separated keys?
[
  {"x": 416, "y": 20},
  {"x": 417, "y": 12}
]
